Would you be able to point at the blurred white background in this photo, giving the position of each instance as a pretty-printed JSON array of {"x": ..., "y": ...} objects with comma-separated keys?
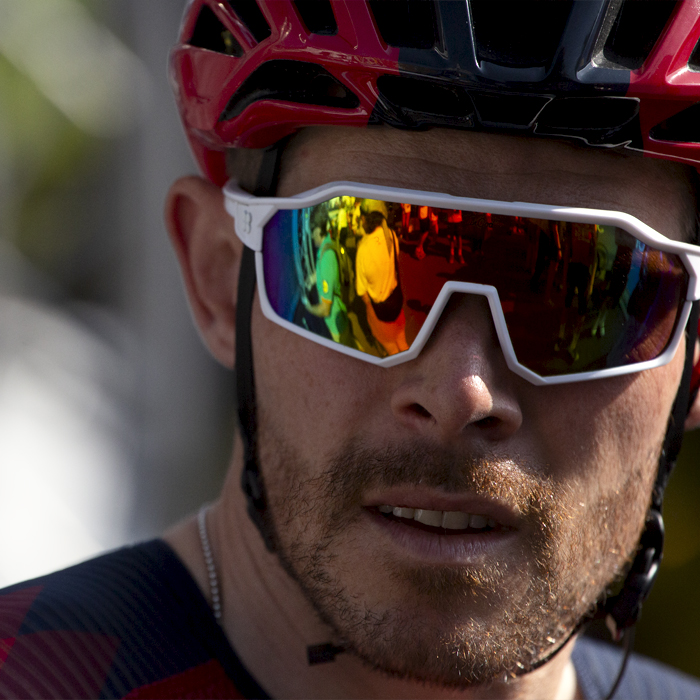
[{"x": 114, "y": 422}]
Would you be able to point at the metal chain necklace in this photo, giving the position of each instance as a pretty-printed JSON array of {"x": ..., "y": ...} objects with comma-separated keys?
[
  {"x": 317, "y": 654},
  {"x": 209, "y": 561}
]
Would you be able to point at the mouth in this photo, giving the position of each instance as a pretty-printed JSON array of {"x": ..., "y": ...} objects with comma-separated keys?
[
  {"x": 440, "y": 522},
  {"x": 443, "y": 528}
]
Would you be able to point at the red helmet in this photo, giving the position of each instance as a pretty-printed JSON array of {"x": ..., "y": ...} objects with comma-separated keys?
[{"x": 247, "y": 73}]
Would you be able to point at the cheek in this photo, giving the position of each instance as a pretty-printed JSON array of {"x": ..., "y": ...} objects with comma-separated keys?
[
  {"x": 308, "y": 396},
  {"x": 602, "y": 433},
  {"x": 601, "y": 448}
]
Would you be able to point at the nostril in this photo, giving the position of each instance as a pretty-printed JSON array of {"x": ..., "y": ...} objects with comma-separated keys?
[
  {"x": 420, "y": 410},
  {"x": 488, "y": 422}
]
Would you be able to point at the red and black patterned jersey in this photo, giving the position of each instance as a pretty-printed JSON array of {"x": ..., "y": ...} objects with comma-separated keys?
[
  {"x": 134, "y": 624},
  {"x": 130, "y": 624}
]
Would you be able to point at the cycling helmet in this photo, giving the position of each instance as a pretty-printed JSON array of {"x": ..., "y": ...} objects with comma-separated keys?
[{"x": 611, "y": 73}]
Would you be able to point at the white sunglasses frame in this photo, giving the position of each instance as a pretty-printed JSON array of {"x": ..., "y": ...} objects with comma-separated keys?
[{"x": 251, "y": 213}]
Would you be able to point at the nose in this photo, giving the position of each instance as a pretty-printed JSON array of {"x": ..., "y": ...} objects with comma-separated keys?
[{"x": 460, "y": 385}]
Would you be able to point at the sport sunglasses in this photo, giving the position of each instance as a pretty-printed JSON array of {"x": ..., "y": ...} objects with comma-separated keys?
[{"x": 575, "y": 294}]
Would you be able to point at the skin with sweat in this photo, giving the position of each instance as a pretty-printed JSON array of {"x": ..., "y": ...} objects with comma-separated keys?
[{"x": 566, "y": 470}]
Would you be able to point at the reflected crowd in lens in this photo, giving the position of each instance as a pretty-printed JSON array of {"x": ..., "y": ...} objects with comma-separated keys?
[{"x": 576, "y": 297}]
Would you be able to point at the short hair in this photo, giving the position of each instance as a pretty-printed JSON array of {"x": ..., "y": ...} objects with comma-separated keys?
[{"x": 373, "y": 219}]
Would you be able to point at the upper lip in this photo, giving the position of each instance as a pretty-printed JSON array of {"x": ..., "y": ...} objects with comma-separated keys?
[{"x": 431, "y": 499}]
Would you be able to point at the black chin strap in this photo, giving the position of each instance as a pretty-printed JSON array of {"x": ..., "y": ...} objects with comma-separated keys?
[
  {"x": 251, "y": 478},
  {"x": 622, "y": 610}
]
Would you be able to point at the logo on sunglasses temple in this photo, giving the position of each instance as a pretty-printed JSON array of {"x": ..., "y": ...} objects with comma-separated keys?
[{"x": 246, "y": 222}]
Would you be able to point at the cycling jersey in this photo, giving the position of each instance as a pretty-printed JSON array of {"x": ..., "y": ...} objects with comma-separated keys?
[{"x": 134, "y": 624}]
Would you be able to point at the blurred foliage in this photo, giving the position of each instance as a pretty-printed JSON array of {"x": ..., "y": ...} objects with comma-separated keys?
[
  {"x": 671, "y": 616},
  {"x": 47, "y": 164}
]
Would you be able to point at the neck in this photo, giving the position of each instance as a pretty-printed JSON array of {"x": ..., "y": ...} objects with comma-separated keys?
[{"x": 270, "y": 624}]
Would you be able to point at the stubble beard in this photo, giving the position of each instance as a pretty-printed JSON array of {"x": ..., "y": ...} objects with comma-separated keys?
[{"x": 479, "y": 624}]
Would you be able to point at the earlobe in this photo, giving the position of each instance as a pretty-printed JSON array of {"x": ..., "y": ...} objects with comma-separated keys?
[
  {"x": 692, "y": 421},
  {"x": 209, "y": 253}
]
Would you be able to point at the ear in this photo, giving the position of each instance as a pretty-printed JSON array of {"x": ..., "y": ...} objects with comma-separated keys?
[
  {"x": 209, "y": 252},
  {"x": 692, "y": 421}
]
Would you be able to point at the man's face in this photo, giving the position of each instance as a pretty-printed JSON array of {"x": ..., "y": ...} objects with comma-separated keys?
[{"x": 561, "y": 475}]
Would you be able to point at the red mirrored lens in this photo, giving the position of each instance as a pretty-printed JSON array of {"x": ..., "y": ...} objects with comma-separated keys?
[{"x": 575, "y": 297}]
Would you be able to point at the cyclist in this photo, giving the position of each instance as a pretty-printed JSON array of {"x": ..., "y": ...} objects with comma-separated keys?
[{"x": 440, "y": 519}]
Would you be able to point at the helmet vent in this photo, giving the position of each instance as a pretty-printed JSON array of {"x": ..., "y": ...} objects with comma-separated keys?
[
  {"x": 318, "y": 16},
  {"x": 582, "y": 113},
  {"x": 406, "y": 24},
  {"x": 210, "y": 33},
  {"x": 683, "y": 127},
  {"x": 508, "y": 111},
  {"x": 250, "y": 14},
  {"x": 636, "y": 29},
  {"x": 694, "y": 60},
  {"x": 291, "y": 81},
  {"x": 415, "y": 102},
  {"x": 520, "y": 33}
]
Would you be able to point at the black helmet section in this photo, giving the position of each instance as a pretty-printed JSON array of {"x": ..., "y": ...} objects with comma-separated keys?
[{"x": 550, "y": 67}]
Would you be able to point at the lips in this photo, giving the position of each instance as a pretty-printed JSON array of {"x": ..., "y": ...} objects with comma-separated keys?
[{"x": 438, "y": 527}]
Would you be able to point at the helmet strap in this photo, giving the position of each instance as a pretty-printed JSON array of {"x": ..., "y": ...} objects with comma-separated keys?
[
  {"x": 622, "y": 610},
  {"x": 251, "y": 478},
  {"x": 682, "y": 405}
]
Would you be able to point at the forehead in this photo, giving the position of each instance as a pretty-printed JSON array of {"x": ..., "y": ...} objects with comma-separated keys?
[{"x": 491, "y": 166}]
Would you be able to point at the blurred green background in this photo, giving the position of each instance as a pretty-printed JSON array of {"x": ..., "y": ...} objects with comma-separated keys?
[
  {"x": 81, "y": 190},
  {"x": 671, "y": 615}
]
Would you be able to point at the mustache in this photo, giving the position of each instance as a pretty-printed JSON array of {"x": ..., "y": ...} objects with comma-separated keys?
[{"x": 357, "y": 468}]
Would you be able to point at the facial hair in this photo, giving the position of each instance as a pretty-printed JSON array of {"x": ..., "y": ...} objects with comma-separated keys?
[{"x": 453, "y": 626}]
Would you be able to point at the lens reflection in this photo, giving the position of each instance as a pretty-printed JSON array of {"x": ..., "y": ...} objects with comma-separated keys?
[{"x": 576, "y": 297}]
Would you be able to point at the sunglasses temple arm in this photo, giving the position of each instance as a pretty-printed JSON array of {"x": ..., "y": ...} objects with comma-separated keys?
[{"x": 249, "y": 216}]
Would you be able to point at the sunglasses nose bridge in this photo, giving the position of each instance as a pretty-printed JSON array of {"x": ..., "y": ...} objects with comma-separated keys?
[
  {"x": 454, "y": 289},
  {"x": 450, "y": 296}
]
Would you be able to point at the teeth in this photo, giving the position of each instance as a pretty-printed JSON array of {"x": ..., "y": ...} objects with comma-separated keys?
[
  {"x": 450, "y": 520},
  {"x": 428, "y": 517},
  {"x": 455, "y": 521},
  {"x": 477, "y": 521}
]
